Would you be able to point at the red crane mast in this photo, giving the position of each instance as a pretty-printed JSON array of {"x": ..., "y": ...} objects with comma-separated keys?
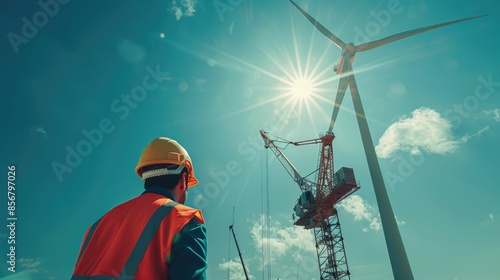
[{"x": 315, "y": 208}]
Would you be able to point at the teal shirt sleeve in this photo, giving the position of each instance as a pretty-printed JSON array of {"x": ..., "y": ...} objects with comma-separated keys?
[{"x": 188, "y": 258}]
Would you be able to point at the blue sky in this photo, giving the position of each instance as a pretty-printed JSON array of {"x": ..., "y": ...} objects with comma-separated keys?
[{"x": 88, "y": 86}]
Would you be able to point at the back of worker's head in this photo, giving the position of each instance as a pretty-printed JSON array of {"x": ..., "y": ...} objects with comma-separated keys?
[
  {"x": 168, "y": 181},
  {"x": 163, "y": 162}
]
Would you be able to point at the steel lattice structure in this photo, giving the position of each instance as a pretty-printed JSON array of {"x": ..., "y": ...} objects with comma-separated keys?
[
  {"x": 315, "y": 207},
  {"x": 330, "y": 248}
]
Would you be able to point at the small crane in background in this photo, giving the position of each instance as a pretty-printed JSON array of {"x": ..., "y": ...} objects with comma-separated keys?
[{"x": 231, "y": 228}]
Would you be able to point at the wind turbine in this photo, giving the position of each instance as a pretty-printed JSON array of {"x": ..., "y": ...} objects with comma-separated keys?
[{"x": 399, "y": 261}]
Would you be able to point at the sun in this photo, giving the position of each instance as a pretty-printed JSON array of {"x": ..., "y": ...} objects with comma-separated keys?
[
  {"x": 302, "y": 82},
  {"x": 302, "y": 88}
]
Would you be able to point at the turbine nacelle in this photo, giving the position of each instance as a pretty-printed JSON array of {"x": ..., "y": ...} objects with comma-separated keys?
[{"x": 349, "y": 50}]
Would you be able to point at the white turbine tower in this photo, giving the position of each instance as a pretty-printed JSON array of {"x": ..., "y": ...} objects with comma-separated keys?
[{"x": 399, "y": 261}]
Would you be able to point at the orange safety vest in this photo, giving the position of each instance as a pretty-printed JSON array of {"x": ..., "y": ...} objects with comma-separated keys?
[{"x": 133, "y": 240}]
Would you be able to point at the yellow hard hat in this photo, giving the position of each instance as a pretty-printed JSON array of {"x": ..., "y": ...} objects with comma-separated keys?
[{"x": 164, "y": 150}]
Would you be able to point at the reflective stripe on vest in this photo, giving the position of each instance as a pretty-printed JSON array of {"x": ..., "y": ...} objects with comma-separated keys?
[
  {"x": 130, "y": 269},
  {"x": 100, "y": 277},
  {"x": 87, "y": 240}
]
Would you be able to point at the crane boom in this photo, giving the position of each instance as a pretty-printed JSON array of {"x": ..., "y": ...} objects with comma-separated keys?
[
  {"x": 325, "y": 191},
  {"x": 304, "y": 184},
  {"x": 239, "y": 252}
]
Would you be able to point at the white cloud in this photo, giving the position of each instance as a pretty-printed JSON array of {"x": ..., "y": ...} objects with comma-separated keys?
[
  {"x": 287, "y": 244},
  {"x": 374, "y": 225},
  {"x": 489, "y": 221},
  {"x": 42, "y": 131},
  {"x": 426, "y": 130},
  {"x": 33, "y": 265},
  {"x": 29, "y": 264},
  {"x": 282, "y": 241},
  {"x": 495, "y": 113},
  {"x": 467, "y": 137},
  {"x": 356, "y": 206},
  {"x": 362, "y": 211},
  {"x": 235, "y": 269},
  {"x": 38, "y": 130},
  {"x": 184, "y": 9}
]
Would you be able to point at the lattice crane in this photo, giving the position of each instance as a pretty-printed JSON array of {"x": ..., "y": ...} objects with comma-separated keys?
[
  {"x": 239, "y": 252},
  {"x": 315, "y": 208}
]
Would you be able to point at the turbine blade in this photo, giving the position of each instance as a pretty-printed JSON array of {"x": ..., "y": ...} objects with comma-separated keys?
[
  {"x": 336, "y": 40},
  {"x": 343, "y": 82},
  {"x": 399, "y": 36}
]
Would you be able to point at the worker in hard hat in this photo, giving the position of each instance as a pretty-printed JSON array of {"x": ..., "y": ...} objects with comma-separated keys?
[{"x": 153, "y": 236}]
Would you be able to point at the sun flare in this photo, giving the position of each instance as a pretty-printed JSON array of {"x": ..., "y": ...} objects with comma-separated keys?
[
  {"x": 302, "y": 88},
  {"x": 303, "y": 82}
]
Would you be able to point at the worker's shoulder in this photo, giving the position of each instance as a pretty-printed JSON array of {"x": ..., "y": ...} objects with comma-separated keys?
[
  {"x": 142, "y": 202},
  {"x": 185, "y": 207},
  {"x": 187, "y": 211}
]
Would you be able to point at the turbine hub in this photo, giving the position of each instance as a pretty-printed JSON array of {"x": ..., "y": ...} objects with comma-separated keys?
[{"x": 349, "y": 48}]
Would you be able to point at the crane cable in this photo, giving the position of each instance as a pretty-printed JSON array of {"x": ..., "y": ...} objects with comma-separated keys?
[
  {"x": 268, "y": 219},
  {"x": 229, "y": 246},
  {"x": 228, "y": 252},
  {"x": 268, "y": 223},
  {"x": 266, "y": 253},
  {"x": 300, "y": 256},
  {"x": 262, "y": 210}
]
